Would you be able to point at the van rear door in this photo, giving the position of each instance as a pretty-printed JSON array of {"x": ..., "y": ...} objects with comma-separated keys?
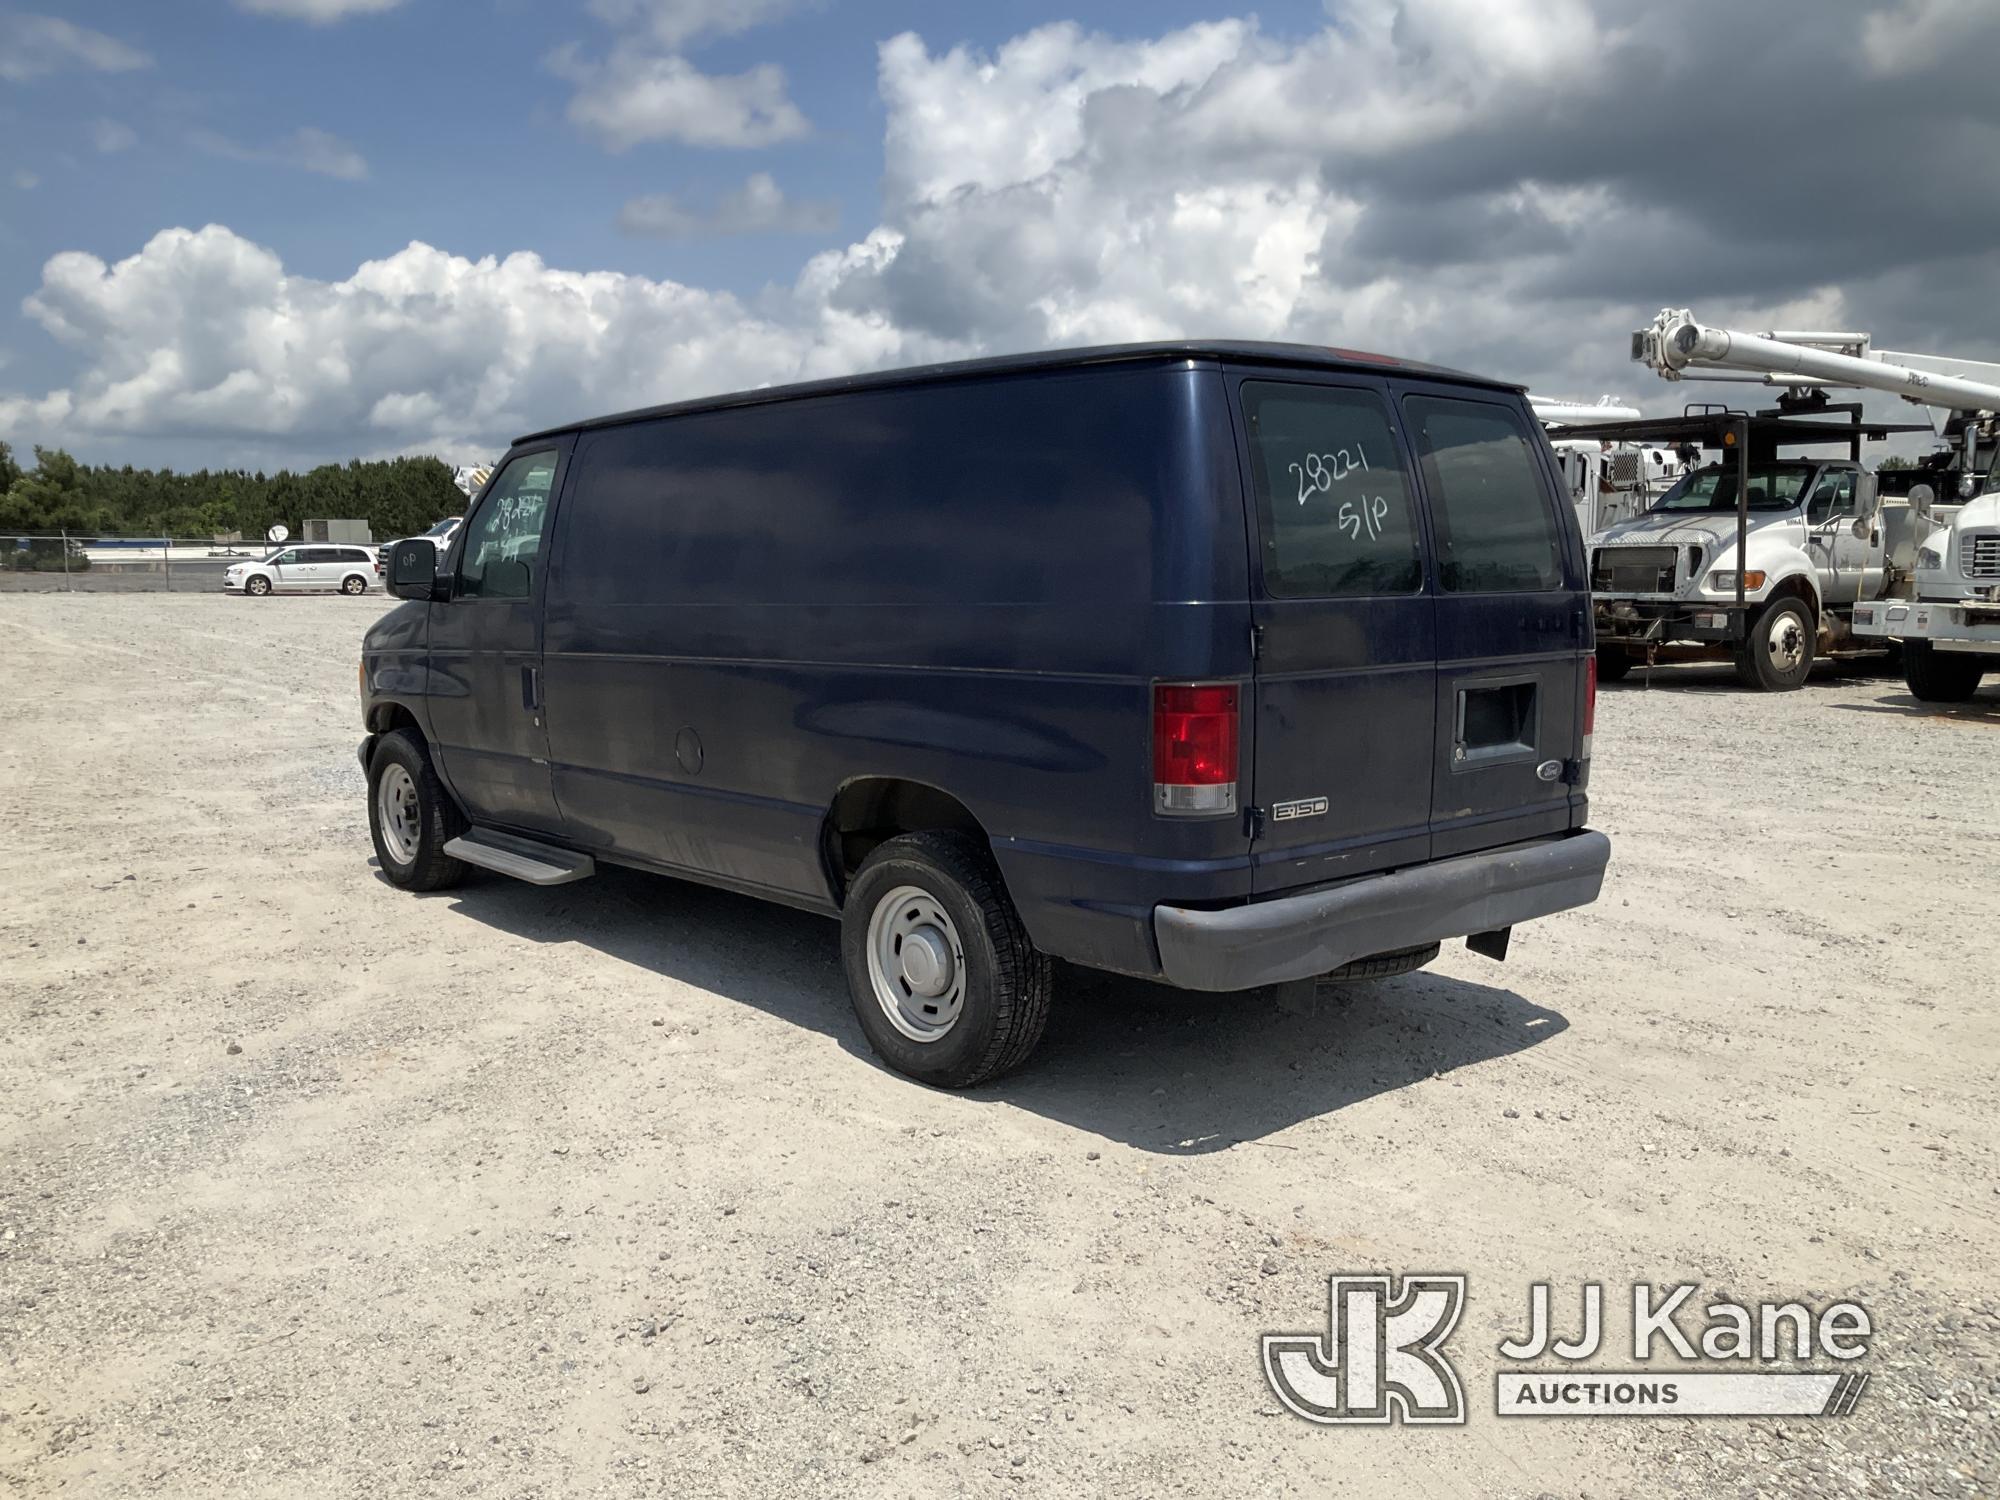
[
  {"x": 1512, "y": 619},
  {"x": 1345, "y": 695}
]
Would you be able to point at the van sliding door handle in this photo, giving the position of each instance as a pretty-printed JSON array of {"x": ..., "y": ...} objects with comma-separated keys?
[{"x": 531, "y": 687}]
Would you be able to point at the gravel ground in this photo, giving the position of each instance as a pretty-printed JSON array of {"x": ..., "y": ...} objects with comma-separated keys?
[{"x": 311, "y": 1187}]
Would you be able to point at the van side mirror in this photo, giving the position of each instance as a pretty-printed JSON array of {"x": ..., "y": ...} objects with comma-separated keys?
[{"x": 413, "y": 571}]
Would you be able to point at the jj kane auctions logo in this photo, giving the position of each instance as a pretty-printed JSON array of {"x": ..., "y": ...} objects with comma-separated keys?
[{"x": 1381, "y": 1358}]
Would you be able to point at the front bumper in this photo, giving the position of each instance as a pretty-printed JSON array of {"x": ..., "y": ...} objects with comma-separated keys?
[
  {"x": 1314, "y": 933},
  {"x": 1972, "y": 626},
  {"x": 1650, "y": 622}
]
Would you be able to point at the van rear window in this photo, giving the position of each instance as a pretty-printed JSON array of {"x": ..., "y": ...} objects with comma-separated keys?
[
  {"x": 1332, "y": 501},
  {"x": 1496, "y": 531}
]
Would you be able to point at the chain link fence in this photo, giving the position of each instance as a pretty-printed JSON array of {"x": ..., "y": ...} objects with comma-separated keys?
[{"x": 107, "y": 564}]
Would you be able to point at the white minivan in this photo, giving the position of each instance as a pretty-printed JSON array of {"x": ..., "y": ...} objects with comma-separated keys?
[{"x": 298, "y": 569}]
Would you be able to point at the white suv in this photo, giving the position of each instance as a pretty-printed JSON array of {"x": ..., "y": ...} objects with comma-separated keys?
[{"x": 297, "y": 569}]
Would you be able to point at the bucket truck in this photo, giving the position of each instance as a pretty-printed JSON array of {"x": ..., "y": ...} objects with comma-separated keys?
[
  {"x": 1607, "y": 482},
  {"x": 1850, "y": 563}
]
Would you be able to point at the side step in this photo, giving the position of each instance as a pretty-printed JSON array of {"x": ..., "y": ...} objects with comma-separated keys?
[{"x": 524, "y": 859}]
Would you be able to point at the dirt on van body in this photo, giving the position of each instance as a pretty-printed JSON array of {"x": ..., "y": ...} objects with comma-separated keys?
[{"x": 312, "y": 1187}]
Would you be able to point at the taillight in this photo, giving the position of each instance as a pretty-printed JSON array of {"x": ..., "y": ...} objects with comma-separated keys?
[
  {"x": 1196, "y": 732},
  {"x": 1589, "y": 704}
]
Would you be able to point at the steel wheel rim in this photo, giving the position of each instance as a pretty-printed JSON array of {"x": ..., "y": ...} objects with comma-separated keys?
[
  {"x": 916, "y": 964},
  {"x": 396, "y": 812},
  {"x": 1786, "y": 642}
]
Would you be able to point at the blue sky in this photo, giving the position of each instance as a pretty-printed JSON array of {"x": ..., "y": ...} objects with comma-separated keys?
[{"x": 279, "y": 231}]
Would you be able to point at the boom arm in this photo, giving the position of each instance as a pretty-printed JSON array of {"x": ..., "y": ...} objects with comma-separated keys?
[{"x": 1678, "y": 347}]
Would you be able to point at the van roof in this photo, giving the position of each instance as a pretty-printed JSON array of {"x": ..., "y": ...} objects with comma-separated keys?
[{"x": 1298, "y": 356}]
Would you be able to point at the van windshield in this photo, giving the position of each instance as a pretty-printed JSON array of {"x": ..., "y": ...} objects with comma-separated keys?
[{"x": 1772, "y": 487}]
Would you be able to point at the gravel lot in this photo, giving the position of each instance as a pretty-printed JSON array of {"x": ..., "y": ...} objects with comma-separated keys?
[{"x": 311, "y": 1187}]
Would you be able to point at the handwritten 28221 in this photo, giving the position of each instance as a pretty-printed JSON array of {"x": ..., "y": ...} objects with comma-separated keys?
[{"x": 1322, "y": 471}]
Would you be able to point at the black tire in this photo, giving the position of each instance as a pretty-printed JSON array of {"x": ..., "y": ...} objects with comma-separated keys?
[
  {"x": 1383, "y": 965},
  {"x": 354, "y": 583},
  {"x": 437, "y": 817},
  {"x": 1941, "y": 676},
  {"x": 1776, "y": 654},
  {"x": 1614, "y": 663},
  {"x": 257, "y": 586},
  {"x": 1004, "y": 1004}
]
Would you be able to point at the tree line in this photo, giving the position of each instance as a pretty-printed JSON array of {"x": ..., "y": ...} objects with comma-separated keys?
[{"x": 397, "y": 497}]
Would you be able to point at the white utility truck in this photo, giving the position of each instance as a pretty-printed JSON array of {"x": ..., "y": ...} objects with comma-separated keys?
[{"x": 1820, "y": 559}]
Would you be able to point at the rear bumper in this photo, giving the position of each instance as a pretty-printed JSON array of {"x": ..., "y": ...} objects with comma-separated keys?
[{"x": 1302, "y": 936}]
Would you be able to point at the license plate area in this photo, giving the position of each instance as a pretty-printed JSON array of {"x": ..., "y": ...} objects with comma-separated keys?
[{"x": 1497, "y": 721}]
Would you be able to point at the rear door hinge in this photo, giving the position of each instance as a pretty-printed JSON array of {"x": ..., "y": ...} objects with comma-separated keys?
[
  {"x": 1253, "y": 822},
  {"x": 1256, "y": 642}
]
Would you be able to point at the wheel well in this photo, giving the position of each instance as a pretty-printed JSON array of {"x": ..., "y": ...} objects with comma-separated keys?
[
  {"x": 1798, "y": 587},
  {"x": 384, "y": 717},
  {"x": 875, "y": 809}
]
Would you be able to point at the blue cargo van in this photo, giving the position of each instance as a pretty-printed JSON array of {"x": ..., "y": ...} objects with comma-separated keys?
[{"x": 1219, "y": 664}]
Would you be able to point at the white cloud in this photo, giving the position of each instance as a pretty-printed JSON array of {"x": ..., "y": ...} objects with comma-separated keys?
[
  {"x": 32, "y": 45},
  {"x": 111, "y": 135},
  {"x": 204, "y": 333},
  {"x": 26, "y": 181},
  {"x": 759, "y": 206},
  {"x": 634, "y": 96},
  {"x": 674, "y": 24},
  {"x": 1483, "y": 183},
  {"x": 316, "y": 12},
  {"x": 305, "y": 150}
]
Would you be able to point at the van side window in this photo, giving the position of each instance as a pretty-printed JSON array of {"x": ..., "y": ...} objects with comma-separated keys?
[
  {"x": 1496, "y": 532},
  {"x": 1332, "y": 502},
  {"x": 503, "y": 544}
]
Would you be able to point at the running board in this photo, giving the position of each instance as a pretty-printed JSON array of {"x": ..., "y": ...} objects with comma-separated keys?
[{"x": 524, "y": 859}]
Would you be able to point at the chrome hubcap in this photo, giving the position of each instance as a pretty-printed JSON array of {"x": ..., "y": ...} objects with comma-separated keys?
[
  {"x": 396, "y": 812},
  {"x": 916, "y": 963},
  {"x": 1787, "y": 642}
]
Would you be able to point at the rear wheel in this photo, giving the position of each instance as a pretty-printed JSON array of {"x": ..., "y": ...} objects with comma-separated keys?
[
  {"x": 1777, "y": 652},
  {"x": 1614, "y": 663},
  {"x": 411, "y": 816},
  {"x": 943, "y": 977},
  {"x": 258, "y": 585},
  {"x": 353, "y": 583},
  {"x": 1941, "y": 676}
]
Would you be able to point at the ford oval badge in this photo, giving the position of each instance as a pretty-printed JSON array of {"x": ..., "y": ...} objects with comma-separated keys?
[{"x": 1549, "y": 770}]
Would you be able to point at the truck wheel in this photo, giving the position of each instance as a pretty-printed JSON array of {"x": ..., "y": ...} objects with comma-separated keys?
[
  {"x": 944, "y": 980},
  {"x": 411, "y": 816},
  {"x": 1777, "y": 653},
  {"x": 1614, "y": 663},
  {"x": 1940, "y": 676},
  {"x": 1383, "y": 965}
]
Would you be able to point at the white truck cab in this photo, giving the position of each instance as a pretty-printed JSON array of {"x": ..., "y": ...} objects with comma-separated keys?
[{"x": 1774, "y": 574}]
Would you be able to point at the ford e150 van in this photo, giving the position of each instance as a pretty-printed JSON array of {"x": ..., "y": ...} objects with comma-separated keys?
[{"x": 1219, "y": 664}]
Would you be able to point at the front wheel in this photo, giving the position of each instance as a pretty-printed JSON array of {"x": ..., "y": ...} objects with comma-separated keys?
[
  {"x": 1777, "y": 652},
  {"x": 944, "y": 980},
  {"x": 410, "y": 816},
  {"x": 258, "y": 586},
  {"x": 1940, "y": 676}
]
